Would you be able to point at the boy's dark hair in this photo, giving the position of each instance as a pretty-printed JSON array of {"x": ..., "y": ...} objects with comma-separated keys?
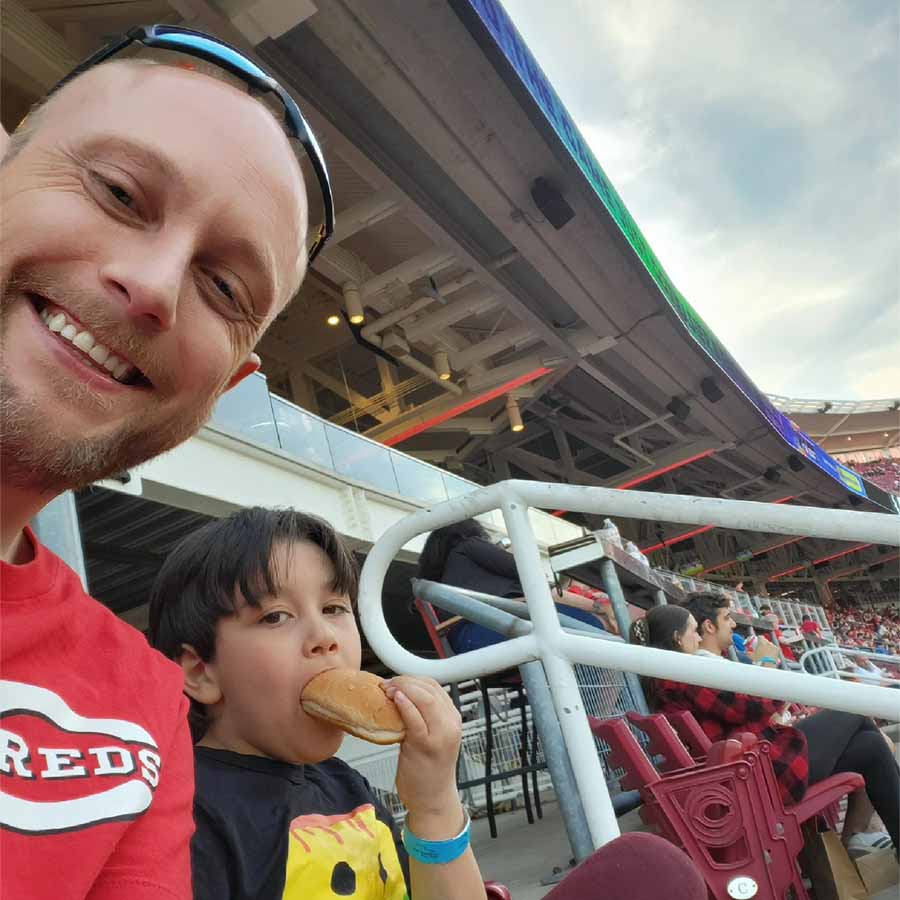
[
  {"x": 704, "y": 607},
  {"x": 210, "y": 571}
]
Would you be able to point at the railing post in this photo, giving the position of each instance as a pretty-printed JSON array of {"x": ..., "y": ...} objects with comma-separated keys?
[{"x": 585, "y": 761}]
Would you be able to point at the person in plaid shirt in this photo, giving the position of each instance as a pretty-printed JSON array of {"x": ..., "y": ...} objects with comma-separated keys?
[{"x": 802, "y": 753}]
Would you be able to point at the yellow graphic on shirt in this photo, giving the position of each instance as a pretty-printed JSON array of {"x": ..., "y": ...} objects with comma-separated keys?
[{"x": 350, "y": 855}]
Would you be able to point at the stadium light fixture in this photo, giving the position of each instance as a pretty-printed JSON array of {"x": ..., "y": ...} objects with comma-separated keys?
[
  {"x": 515, "y": 416},
  {"x": 486, "y": 397},
  {"x": 442, "y": 365},
  {"x": 353, "y": 304},
  {"x": 333, "y": 320}
]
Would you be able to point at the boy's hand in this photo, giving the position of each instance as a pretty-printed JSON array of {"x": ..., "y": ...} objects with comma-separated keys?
[{"x": 426, "y": 773}]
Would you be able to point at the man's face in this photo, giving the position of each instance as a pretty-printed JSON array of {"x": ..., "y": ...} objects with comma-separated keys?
[
  {"x": 145, "y": 246},
  {"x": 725, "y": 626},
  {"x": 266, "y": 655}
]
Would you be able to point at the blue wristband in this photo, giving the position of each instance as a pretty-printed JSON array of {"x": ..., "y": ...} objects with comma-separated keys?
[
  {"x": 768, "y": 659},
  {"x": 436, "y": 853}
]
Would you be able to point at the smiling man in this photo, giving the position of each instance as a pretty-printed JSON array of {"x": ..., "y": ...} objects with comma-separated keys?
[{"x": 146, "y": 245}]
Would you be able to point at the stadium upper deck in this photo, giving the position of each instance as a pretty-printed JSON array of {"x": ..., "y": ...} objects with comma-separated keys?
[{"x": 497, "y": 273}]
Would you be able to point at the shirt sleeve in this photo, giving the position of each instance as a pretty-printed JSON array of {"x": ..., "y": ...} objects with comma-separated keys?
[
  {"x": 493, "y": 558},
  {"x": 152, "y": 861},
  {"x": 727, "y": 706}
]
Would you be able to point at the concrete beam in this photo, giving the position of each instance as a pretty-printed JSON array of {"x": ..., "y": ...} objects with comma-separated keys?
[{"x": 33, "y": 46}]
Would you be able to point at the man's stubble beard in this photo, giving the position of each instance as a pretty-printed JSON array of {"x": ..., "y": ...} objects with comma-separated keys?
[{"x": 34, "y": 455}]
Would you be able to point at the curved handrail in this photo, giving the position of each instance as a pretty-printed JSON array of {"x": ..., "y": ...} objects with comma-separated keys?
[{"x": 515, "y": 497}]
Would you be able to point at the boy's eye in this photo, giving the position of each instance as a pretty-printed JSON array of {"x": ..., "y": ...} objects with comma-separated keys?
[
  {"x": 337, "y": 609},
  {"x": 275, "y": 618}
]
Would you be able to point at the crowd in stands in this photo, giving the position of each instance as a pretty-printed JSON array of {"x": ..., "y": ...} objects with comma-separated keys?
[
  {"x": 868, "y": 629},
  {"x": 883, "y": 472}
]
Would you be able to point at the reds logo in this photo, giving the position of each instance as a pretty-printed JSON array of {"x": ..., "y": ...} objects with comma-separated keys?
[{"x": 128, "y": 755}]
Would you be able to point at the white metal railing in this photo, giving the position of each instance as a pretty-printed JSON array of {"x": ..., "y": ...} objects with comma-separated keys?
[
  {"x": 559, "y": 651},
  {"x": 831, "y": 661}
]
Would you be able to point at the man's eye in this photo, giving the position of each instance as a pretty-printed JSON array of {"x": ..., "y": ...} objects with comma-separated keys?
[
  {"x": 275, "y": 618},
  {"x": 222, "y": 286},
  {"x": 120, "y": 195}
]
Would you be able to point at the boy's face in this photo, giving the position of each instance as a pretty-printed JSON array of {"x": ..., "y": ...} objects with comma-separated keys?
[{"x": 265, "y": 656}]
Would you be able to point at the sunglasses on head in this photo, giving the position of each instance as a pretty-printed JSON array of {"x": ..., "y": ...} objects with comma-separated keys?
[{"x": 212, "y": 50}]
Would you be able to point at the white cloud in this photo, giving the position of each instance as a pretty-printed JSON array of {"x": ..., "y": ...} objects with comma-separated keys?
[{"x": 756, "y": 145}]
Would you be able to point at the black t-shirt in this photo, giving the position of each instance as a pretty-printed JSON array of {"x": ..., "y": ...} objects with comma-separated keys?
[{"x": 269, "y": 830}]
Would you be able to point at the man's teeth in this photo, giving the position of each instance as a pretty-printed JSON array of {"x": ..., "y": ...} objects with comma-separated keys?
[{"x": 88, "y": 344}]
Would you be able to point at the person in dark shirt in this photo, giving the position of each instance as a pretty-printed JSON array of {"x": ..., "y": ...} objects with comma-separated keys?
[
  {"x": 462, "y": 555},
  {"x": 252, "y": 607}
]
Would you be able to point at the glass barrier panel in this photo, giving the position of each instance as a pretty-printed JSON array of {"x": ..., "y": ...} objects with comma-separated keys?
[
  {"x": 301, "y": 434},
  {"x": 247, "y": 410},
  {"x": 418, "y": 481},
  {"x": 361, "y": 460},
  {"x": 456, "y": 487}
]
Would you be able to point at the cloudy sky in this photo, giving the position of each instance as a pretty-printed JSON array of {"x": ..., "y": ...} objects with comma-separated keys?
[{"x": 758, "y": 147}]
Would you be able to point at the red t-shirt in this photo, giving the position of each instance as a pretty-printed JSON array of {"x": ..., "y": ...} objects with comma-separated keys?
[
  {"x": 95, "y": 752},
  {"x": 810, "y": 627}
]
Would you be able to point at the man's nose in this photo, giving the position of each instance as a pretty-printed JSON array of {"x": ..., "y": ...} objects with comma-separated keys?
[{"x": 149, "y": 281}]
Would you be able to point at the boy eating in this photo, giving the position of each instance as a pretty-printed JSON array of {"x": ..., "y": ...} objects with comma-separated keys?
[{"x": 253, "y": 606}]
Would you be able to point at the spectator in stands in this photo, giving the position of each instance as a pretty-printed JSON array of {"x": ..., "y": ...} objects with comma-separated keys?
[
  {"x": 252, "y": 607},
  {"x": 802, "y": 753},
  {"x": 130, "y": 300},
  {"x": 462, "y": 555},
  {"x": 765, "y": 612},
  {"x": 812, "y": 630}
]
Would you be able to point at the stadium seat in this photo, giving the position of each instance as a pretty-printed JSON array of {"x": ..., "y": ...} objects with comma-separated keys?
[
  {"x": 496, "y": 891},
  {"x": 691, "y": 734},
  {"x": 663, "y": 742},
  {"x": 727, "y": 814}
]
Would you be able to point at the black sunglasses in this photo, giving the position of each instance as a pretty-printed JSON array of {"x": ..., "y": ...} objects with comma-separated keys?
[{"x": 212, "y": 50}]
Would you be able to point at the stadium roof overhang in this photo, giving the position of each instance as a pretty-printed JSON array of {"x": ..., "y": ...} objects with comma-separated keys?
[{"x": 454, "y": 166}]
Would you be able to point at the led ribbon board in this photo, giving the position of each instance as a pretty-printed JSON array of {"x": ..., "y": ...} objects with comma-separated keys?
[{"x": 500, "y": 27}]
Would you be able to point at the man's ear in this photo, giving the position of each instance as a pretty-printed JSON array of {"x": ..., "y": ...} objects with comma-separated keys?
[
  {"x": 250, "y": 365},
  {"x": 708, "y": 627},
  {"x": 200, "y": 682}
]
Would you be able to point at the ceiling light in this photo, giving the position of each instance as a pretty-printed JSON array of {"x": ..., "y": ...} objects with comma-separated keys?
[
  {"x": 442, "y": 365},
  {"x": 333, "y": 320},
  {"x": 353, "y": 304},
  {"x": 514, "y": 413}
]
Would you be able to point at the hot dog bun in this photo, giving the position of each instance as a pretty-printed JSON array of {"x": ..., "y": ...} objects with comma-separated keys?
[{"x": 355, "y": 702}]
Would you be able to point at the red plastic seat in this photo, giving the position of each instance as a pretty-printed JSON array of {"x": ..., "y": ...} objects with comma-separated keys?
[
  {"x": 496, "y": 891},
  {"x": 690, "y": 732},
  {"x": 726, "y": 814},
  {"x": 663, "y": 741}
]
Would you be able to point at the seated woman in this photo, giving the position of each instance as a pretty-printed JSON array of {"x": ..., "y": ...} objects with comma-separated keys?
[
  {"x": 462, "y": 555},
  {"x": 805, "y": 752}
]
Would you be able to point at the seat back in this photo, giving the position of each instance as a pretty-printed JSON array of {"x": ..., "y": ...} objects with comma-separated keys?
[
  {"x": 663, "y": 741},
  {"x": 495, "y": 891},
  {"x": 432, "y": 622},
  {"x": 690, "y": 732},
  {"x": 624, "y": 753},
  {"x": 724, "y": 819}
]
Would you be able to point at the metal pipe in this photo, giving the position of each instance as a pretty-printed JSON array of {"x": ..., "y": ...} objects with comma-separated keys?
[
  {"x": 841, "y": 524},
  {"x": 455, "y": 310},
  {"x": 426, "y": 263},
  {"x": 589, "y": 776},
  {"x": 558, "y": 763},
  {"x": 395, "y": 315}
]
